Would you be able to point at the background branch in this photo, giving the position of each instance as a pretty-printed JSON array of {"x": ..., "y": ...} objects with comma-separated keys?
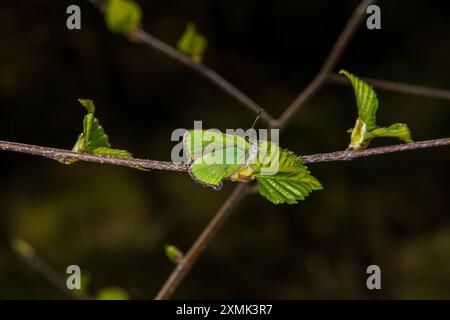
[{"x": 60, "y": 155}]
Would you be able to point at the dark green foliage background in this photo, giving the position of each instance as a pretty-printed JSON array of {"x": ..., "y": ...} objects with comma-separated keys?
[{"x": 389, "y": 210}]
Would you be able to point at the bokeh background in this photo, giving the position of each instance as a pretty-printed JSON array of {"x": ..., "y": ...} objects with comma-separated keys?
[{"x": 390, "y": 210}]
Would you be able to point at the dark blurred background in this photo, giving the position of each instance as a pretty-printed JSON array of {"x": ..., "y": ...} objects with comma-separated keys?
[{"x": 390, "y": 210}]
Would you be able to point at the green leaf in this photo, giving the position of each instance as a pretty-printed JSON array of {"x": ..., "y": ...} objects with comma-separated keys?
[
  {"x": 192, "y": 43},
  {"x": 291, "y": 183},
  {"x": 122, "y": 16},
  {"x": 112, "y": 293},
  {"x": 173, "y": 253},
  {"x": 93, "y": 139},
  {"x": 396, "y": 130},
  {"x": 366, "y": 100}
]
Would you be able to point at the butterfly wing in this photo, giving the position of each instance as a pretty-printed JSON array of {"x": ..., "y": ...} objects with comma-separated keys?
[
  {"x": 196, "y": 141},
  {"x": 217, "y": 165}
]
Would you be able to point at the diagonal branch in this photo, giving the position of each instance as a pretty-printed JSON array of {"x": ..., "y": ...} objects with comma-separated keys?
[
  {"x": 215, "y": 78},
  {"x": 179, "y": 273},
  {"x": 397, "y": 87},
  {"x": 185, "y": 265},
  {"x": 329, "y": 64}
]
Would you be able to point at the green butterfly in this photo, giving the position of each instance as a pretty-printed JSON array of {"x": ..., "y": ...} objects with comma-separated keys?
[{"x": 214, "y": 156}]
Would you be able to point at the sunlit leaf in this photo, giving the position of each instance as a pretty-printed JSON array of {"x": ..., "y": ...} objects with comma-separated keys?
[
  {"x": 85, "y": 281},
  {"x": 173, "y": 253},
  {"x": 112, "y": 152},
  {"x": 214, "y": 156}
]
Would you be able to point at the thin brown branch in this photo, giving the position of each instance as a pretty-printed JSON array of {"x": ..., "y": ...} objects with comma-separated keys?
[
  {"x": 65, "y": 155},
  {"x": 200, "y": 68},
  {"x": 99, "y": 4},
  {"x": 203, "y": 240},
  {"x": 59, "y": 154},
  {"x": 329, "y": 64},
  {"x": 396, "y": 87}
]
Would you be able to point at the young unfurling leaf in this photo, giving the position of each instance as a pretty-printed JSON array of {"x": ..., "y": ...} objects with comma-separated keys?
[
  {"x": 366, "y": 128},
  {"x": 112, "y": 152},
  {"x": 366, "y": 100},
  {"x": 192, "y": 43},
  {"x": 173, "y": 254},
  {"x": 396, "y": 130},
  {"x": 214, "y": 156},
  {"x": 93, "y": 139},
  {"x": 122, "y": 16}
]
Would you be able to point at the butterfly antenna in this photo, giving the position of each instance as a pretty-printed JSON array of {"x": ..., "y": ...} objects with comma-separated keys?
[{"x": 257, "y": 117}]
